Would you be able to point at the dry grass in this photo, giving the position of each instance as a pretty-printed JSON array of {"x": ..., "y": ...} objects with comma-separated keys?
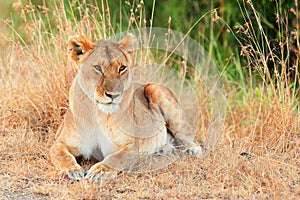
[
  {"x": 257, "y": 156},
  {"x": 26, "y": 172}
]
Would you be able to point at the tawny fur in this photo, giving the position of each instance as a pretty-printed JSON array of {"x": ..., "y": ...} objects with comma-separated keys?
[{"x": 110, "y": 118}]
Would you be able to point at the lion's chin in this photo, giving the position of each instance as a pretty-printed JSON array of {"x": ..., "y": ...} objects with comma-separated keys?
[{"x": 108, "y": 108}]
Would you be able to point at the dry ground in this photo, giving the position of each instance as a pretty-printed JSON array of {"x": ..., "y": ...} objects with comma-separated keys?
[{"x": 239, "y": 169}]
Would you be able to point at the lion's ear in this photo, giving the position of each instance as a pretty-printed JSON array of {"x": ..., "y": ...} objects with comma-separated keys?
[
  {"x": 79, "y": 48},
  {"x": 128, "y": 44}
]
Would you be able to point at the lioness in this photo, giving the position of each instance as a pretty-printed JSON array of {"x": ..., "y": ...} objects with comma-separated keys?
[{"x": 110, "y": 116}]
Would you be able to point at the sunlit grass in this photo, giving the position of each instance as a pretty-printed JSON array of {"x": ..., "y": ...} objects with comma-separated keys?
[{"x": 257, "y": 155}]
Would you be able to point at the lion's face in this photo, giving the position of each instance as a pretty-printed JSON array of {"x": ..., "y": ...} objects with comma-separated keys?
[{"x": 104, "y": 72}]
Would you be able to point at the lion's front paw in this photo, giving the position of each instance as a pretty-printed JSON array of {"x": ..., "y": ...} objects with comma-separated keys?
[
  {"x": 100, "y": 172},
  {"x": 75, "y": 172}
]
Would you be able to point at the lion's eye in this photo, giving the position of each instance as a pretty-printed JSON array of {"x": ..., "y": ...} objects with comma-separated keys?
[
  {"x": 98, "y": 69},
  {"x": 122, "y": 69}
]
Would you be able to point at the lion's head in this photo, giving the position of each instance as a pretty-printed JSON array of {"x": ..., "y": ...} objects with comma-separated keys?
[{"x": 104, "y": 69}]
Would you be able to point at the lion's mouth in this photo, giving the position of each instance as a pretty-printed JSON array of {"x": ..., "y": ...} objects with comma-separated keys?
[
  {"x": 107, "y": 107},
  {"x": 106, "y": 103},
  {"x": 109, "y": 103}
]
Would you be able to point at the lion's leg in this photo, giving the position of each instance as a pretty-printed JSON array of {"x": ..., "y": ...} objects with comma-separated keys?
[
  {"x": 111, "y": 165},
  {"x": 172, "y": 112},
  {"x": 65, "y": 161},
  {"x": 170, "y": 108},
  {"x": 63, "y": 155}
]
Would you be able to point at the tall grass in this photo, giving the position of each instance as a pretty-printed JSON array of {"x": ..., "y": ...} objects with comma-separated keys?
[
  {"x": 262, "y": 124},
  {"x": 278, "y": 70}
]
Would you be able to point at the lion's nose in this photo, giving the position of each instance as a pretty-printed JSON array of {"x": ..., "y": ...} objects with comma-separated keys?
[{"x": 111, "y": 95}]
